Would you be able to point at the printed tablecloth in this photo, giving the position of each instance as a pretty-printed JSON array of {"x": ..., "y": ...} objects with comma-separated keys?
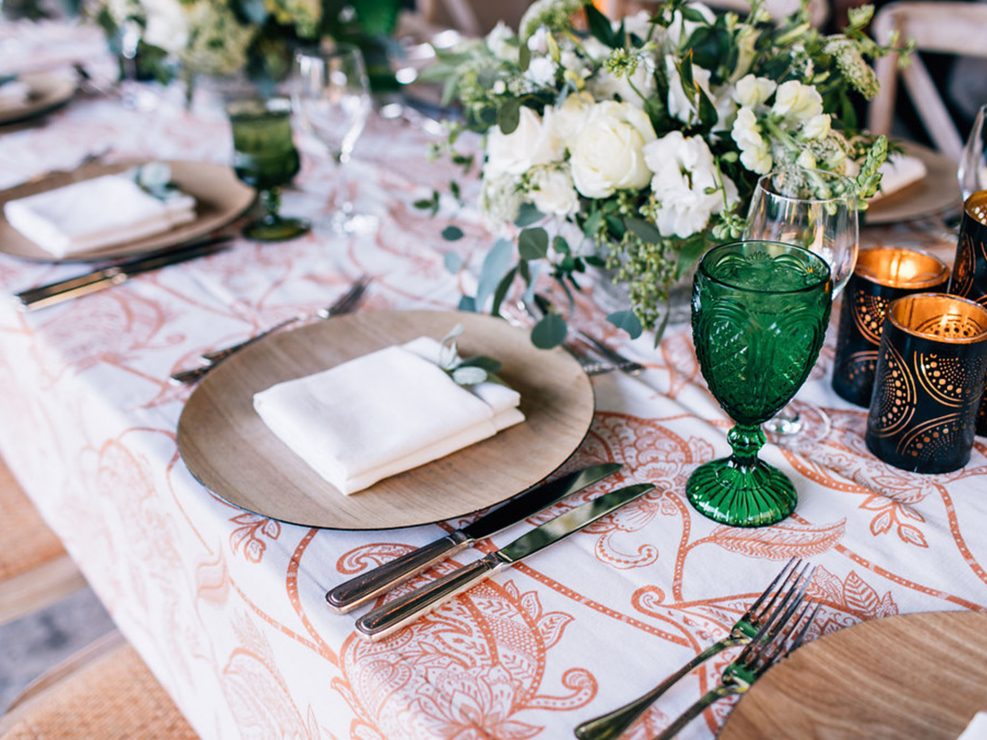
[{"x": 227, "y": 607}]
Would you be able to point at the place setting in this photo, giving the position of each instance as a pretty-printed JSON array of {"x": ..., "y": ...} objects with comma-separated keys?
[{"x": 593, "y": 372}]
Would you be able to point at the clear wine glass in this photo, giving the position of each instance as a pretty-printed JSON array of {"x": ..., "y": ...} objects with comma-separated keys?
[
  {"x": 972, "y": 172},
  {"x": 331, "y": 96},
  {"x": 816, "y": 210}
]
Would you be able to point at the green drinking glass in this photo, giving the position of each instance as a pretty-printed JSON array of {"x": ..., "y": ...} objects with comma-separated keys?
[
  {"x": 264, "y": 157},
  {"x": 759, "y": 316}
]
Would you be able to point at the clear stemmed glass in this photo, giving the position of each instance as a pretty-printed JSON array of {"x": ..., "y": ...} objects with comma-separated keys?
[
  {"x": 331, "y": 96},
  {"x": 972, "y": 172},
  {"x": 816, "y": 210}
]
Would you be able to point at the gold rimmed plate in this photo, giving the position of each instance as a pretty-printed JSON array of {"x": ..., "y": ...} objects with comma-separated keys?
[
  {"x": 937, "y": 192},
  {"x": 230, "y": 450},
  {"x": 219, "y": 199},
  {"x": 48, "y": 91}
]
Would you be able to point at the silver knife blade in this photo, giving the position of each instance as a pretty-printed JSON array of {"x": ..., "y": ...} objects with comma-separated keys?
[
  {"x": 116, "y": 273},
  {"x": 358, "y": 590},
  {"x": 572, "y": 521},
  {"x": 404, "y": 610}
]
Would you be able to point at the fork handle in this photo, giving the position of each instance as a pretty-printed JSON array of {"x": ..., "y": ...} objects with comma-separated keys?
[
  {"x": 222, "y": 354},
  {"x": 611, "y": 725},
  {"x": 711, "y": 697}
]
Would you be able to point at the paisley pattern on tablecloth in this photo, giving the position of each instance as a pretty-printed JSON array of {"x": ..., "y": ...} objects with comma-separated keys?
[{"x": 227, "y": 607}]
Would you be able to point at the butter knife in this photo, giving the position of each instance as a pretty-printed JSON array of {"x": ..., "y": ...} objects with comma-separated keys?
[
  {"x": 350, "y": 594},
  {"x": 116, "y": 273},
  {"x": 394, "y": 615}
]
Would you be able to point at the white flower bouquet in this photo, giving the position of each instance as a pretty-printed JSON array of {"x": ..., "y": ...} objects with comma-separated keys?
[{"x": 639, "y": 142}]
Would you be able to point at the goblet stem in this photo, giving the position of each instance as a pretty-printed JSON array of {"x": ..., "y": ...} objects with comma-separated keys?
[
  {"x": 271, "y": 201},
  {"x": 746, "y": 440}
]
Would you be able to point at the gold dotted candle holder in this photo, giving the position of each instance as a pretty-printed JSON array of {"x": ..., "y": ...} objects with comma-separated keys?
[
  {"x": 882, "y": 275},
  {"x": 970, "y": 267},
  {"x": 931, "y": 367}
]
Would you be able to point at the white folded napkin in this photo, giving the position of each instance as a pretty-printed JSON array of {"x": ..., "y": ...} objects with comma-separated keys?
[
  {"x": 383, "y": 413},
  {"x": 900, "y": 171},
  {"x": 14, "y": 93},
  {"x": 95, "y": 213},
  {"x": 977, "y": 729}
]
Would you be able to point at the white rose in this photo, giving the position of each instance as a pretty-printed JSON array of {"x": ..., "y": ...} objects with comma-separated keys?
[
  {"x": 752, "y": 91},
  {"x": 687, "y": 186},
  {"x": 533, "y": 142},
  {"x": 682, "y": 104},
  {"x": 608, "y": 153},
  {"x": 817, "y": 127},
  {"x": 797, "y": 100},
  {"x": 679, "y": 30},
  {"x": 500, "y": 199},
  {"x": 570, "y": 117},
  {"x": 500, "y": 41},
  {"x": 552, "y": 191},
  {"x": 541, "y": 72},
  {"x": 167, "y": 25}
]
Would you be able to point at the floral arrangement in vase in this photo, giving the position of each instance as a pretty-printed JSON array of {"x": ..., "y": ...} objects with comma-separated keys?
[
  {"x": 637, "y": 143},
  {"x": 255, "y": 37}
]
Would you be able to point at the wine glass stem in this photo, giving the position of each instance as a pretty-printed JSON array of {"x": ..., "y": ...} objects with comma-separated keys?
[
  {"x": 746, "y": 440},
  {"x": 271, "y": 200}
]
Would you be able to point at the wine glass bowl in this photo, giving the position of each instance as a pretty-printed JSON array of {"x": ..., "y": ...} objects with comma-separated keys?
[
  {"x": 759, "y": 316},
  {"x": 265, "y": 157}
]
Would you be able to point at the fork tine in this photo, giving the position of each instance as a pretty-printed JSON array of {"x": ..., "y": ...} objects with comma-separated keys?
[
  {"x": 752, "y": 611},
  {"x": 790, "y": 582},
  {"x": 779, "y": 614},
  {"x": 785, "y": 638},
  {"x": 349, "y": 299}
]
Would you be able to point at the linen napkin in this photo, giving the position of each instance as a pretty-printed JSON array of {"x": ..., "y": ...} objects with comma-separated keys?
[
  {"x": 977, "y": 729},
  {"x": 96, "y": 213},
  {"x": 899, "y": 172},
  {"x": 13, "y": 93},
  {"x": 383, "y": 413}
]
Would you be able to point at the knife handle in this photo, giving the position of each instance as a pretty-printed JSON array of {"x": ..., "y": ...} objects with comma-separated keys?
[
  {"x": 394, "y": 615},
  {"x": 350, "y": 594}
]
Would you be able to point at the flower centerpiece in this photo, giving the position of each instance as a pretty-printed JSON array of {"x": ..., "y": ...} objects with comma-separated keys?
[
  {"x": 637, "y": 143},
  {"x": 255, "y": 37}
]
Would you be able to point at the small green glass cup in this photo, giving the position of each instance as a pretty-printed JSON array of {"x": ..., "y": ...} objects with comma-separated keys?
[
  {"x": 759, "y": 316},
  {"x": 264, "y": 157}
]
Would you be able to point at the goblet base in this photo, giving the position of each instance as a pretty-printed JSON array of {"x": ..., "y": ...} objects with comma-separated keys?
[
  {"x": 747, "y": 493},
  {"x": 273, "y": 228}
]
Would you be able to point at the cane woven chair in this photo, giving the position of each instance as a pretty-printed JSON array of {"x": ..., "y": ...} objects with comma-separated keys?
[
  {"x": 942, "y": 27},
  {"x": 35, "y": 570},
  {"x": 104, "y": 691}
]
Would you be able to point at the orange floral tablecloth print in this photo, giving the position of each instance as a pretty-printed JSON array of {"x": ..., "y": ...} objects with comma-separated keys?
[{"x": 227, "y": 607}]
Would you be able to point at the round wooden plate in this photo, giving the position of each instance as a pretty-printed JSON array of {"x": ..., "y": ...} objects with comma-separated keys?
[
  {"x": 219, "y": 199},
  {"x": 48, "y": 91},
  {"x": 919, "y": 675},
  {"x": 231, "y": 451},
  {"x": 937, "y": 192}
]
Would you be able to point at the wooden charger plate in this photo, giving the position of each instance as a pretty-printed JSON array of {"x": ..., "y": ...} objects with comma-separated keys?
[
  {"x": 937, "y": 192},
  {"x": 920, "y": 675},
  {"x": 48, "y": 91},
  {"x": 230, "y": 450},
  {"x": 219, "y": 199}
]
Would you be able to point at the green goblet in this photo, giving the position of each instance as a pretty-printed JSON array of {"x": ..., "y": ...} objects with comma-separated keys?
[
  {"x": 264, "y": 157},
  {"x": 759, "y": 316}
]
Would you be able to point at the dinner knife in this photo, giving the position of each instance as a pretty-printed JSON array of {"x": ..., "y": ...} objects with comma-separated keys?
[
  {"x": 117, "y": 273},
  {"x": 350, "y": 594},
  {"x": 394, "y": 615}
]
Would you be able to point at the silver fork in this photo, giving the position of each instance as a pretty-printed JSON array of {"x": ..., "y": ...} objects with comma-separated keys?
[
  {"x": 342, "y": 305},
  {"x": 788, "y": 584},
  {"x": 773, "y": 642}
]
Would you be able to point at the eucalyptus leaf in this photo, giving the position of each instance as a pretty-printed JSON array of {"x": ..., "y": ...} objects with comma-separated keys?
[
  {"x": 527, "y": 215},
  {"x": 467, "y": 303},
  {"x": 502, "y": 287},
  {"x": 452, "y": 233},
  {"x": 549, "y": 332},
  {"x": 469, "y": 375},
  {"x": 643, "y": 229},
  {"x": 509, "y": 115},
  {"x": 523, "y": 57},
  {"x": 628, "y": 321},
  {"x": 495, "y": 265},
  {"x": 533, "y": 243},
  {"x": 453, "y": 262}
]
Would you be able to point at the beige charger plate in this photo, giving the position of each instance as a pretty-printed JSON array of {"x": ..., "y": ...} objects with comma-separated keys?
[
  {"x": 937, "y": 192},
  {"x": 219, "y": 199},
  {"x": 48, "y": 91},
  {"x": 915, "y": 676},
  {"x": 230, "y": 450}
]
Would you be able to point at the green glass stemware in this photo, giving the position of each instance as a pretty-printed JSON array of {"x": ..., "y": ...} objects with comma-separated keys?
[
  {"x": 264, "y": 157},
  {"x": 759, "y": 316}
]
